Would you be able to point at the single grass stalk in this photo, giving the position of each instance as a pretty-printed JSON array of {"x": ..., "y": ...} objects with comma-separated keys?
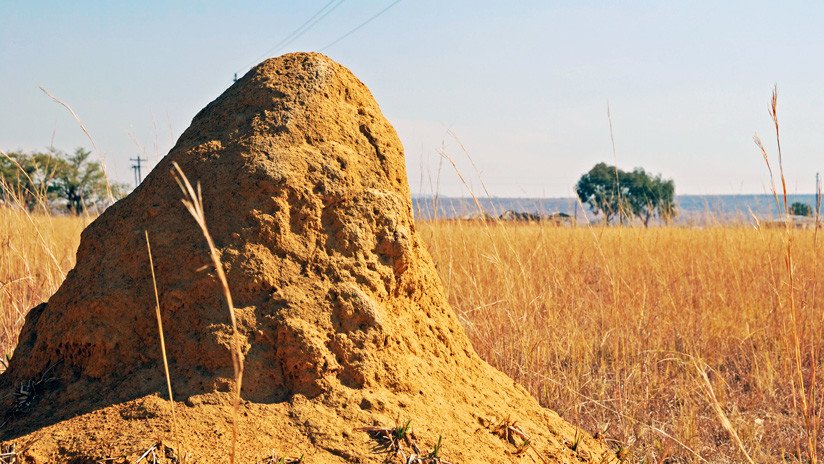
[
  {"x": 615, "y": 156},
  {"x": 74, "y": 115},
  {"x": 774, "y": 116},
  {"x": 193, "y": 202},
  {"x": 88, "y": 135},
  {"x": 808, "y": 420},
  {"x": 766, "y": 157},
  {"x": 700, "y": 367},
  {"x": 799, "y": 385},
  {"x": 162, "y": 338}
]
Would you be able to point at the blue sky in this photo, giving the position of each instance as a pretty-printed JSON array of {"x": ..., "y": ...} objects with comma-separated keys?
[{"x": 523, "y": 85}]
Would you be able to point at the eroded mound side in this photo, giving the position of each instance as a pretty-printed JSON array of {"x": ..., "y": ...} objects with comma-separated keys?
[{"x": 344, "y": 320}]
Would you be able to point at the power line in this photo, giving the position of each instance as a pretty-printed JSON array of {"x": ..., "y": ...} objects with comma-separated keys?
[
  {"x": 291, "y": 34},
  {"x": 309, "y": 27},
  {"x": 302, "y": 29},
  {"x": 361, "y": 25}
]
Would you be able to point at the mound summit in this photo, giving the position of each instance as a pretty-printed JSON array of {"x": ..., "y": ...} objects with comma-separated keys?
[{"x": 343, "y": 317}]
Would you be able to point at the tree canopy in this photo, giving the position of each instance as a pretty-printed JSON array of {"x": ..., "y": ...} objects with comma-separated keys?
[
  {"x": 54, "y": 179},
  {"x": 801, "y": 209},
  {"x": 615, "y": 193}
]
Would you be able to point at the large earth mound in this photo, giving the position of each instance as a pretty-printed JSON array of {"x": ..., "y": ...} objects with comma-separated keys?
[{"x": 343, "y": 319}]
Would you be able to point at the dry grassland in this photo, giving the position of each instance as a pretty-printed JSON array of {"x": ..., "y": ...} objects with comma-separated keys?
[
  {"x": 36, "y": 252},
  {"x": 616, "y": 329},
  {"x": 676, "y": 344}
]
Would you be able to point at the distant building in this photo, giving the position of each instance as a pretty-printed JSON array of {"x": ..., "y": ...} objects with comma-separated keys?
[
  {"x": 797, "y": 222},
  {"x": 510, "y": 215}
]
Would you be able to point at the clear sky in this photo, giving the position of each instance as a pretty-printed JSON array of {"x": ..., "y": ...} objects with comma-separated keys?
[{"x": 523, "y": 85}]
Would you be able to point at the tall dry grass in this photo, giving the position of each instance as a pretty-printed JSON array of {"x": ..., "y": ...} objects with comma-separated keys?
[
  {"x": 641, "y": 335},
  {"x": 645, "y": 337},
  {"x": 36, "y": 252}
]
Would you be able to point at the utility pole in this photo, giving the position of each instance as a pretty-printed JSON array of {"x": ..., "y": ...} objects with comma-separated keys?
[
  {"x": 137, "y": 165},
  {"x": 576, "y": 212}
]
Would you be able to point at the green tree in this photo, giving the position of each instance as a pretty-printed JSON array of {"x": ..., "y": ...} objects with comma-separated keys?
[
  {"x": 604, "y": 189},
  {"x": 44, "y": 178},
  {"x": 800, "y": 209},
  {"x": 612, "y": 192},
  {"x": 28, "y": 179},
  {"x": 650, "y": 196},
  {"x": 81, "y": 182}
]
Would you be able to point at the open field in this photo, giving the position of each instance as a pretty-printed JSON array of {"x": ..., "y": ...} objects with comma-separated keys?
[
  {"x": 609, "y": 326},
  {"x": 614, "y": 328},
  {"x": 36, "y": 252}
]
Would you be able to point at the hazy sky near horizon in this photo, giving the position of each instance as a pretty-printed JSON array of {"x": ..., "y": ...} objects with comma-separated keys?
[{"x": 523, "y": 85}]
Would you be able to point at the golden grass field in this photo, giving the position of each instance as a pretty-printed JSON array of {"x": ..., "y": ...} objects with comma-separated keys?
[
  {"x": 675, "y": 344},
  {"x": 614, "y": 328},
  {"x": 36, "y": 252}
]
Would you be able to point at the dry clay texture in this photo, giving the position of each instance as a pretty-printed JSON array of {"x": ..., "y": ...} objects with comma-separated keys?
[{"x": 343, "y": 317}]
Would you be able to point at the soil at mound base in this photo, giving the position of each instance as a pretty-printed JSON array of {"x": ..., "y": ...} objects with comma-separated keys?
[{"x": 343, "y": 318}]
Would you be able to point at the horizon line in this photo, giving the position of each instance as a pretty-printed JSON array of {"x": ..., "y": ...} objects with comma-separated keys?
[{"x": 505, "y": 197}]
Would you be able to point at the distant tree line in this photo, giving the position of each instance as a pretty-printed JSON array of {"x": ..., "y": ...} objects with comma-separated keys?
[
  {"x": 620, "y": 195},
  {"x": 55, "y": 180}
]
